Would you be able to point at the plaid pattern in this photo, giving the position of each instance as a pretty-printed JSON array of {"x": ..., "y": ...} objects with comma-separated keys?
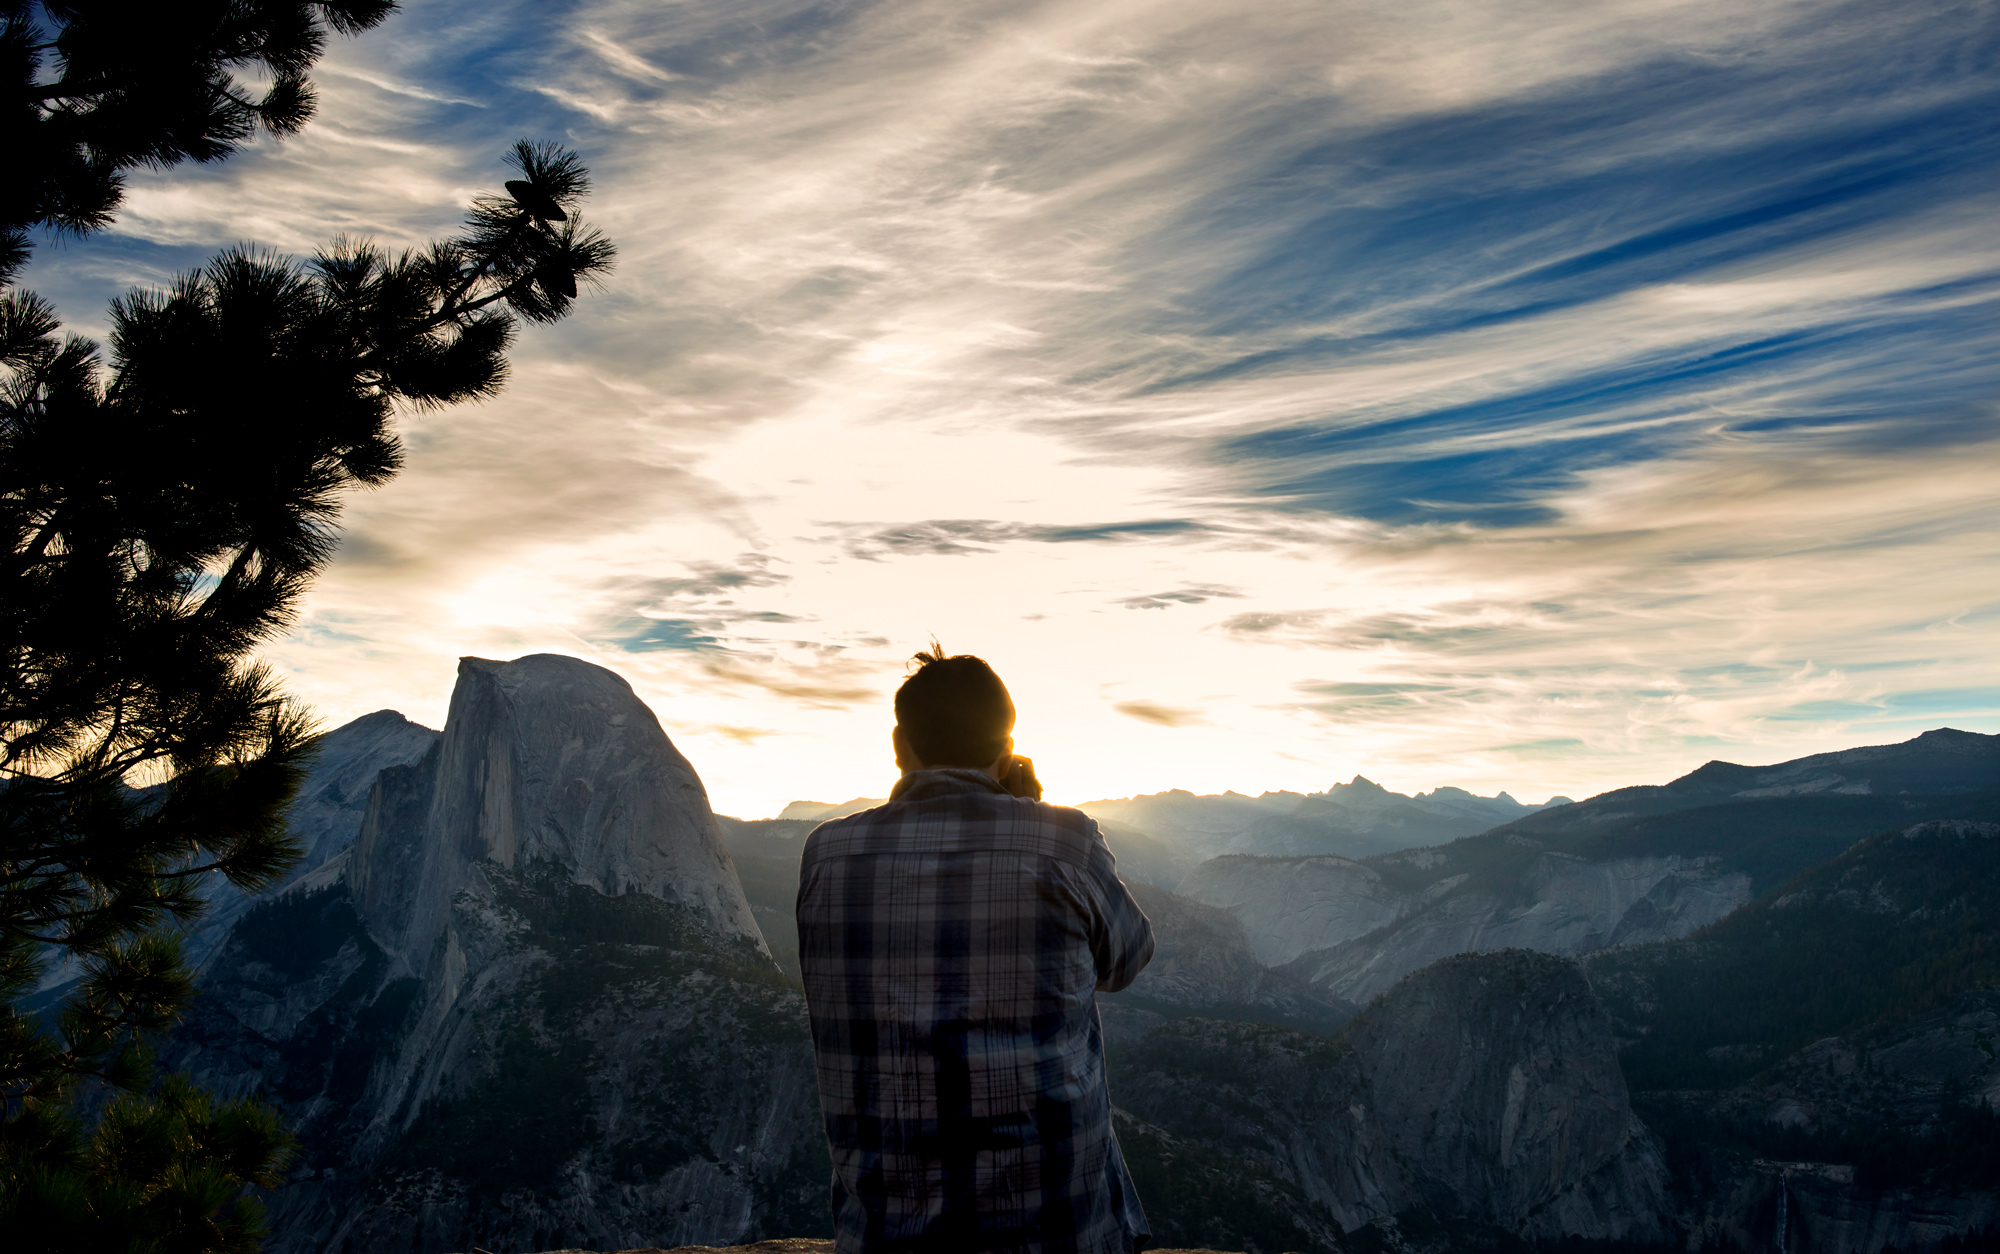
[{"x": 953, "y": 943}]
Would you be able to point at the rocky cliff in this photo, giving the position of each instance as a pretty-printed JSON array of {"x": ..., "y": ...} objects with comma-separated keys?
[
  {"x": 1354, "y": 931},
  {"x": 1484, "y": 1091},
  {"x": 1559, "y": 904},
  {"x": 327, "y": 814},
  {"x": 1822, "y": 1065},
  {"x": 530, "y": 1006},
  {"x": 1203, "y": 965},
  {"x": 544, "y": 761}
]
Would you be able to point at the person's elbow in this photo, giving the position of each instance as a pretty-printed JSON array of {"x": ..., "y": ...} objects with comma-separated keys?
[{"x": 1118, "y": 975}]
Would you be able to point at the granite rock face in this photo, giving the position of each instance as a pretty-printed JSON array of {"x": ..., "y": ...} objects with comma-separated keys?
[
  {"x": 1573, "y": 907},
  {"x": 545, "y": 760},
  {"x": 1540, "y": 1137},
  {"x": 1290, "y": 906},
  {"x": 326, "y": 816},
  {"x": 1485, "y": 1089},
  {"x": 529, "y": 1006},
  {"x": 1348, "y": 928}
]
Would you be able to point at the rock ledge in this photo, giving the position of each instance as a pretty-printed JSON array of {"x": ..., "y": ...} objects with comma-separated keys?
[{"x": 789, "y": 1245}]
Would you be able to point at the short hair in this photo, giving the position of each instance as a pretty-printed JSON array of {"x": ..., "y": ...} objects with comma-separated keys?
[{"x": 954, "y": 711}]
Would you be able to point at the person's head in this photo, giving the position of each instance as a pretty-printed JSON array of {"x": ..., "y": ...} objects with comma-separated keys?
[{"x": 952, "y": 711}]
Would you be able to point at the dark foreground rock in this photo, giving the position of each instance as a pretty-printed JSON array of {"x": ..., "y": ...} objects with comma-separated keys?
[{"x": 793, "y": 1245}]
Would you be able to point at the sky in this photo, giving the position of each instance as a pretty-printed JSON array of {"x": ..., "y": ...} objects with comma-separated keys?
[{"x": 1547, "y": 396}]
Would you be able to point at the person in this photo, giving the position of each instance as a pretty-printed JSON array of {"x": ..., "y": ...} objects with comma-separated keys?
[{"x": 953, "y": 942}]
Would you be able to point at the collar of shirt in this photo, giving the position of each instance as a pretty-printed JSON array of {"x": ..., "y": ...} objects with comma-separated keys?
[{"x": 942, "y": 782}]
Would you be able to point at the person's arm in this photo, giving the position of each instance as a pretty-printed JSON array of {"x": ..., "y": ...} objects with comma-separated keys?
[{"x": 1123, "y": 941}]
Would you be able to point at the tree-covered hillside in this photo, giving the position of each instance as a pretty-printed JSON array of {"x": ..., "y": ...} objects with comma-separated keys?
[
  {"x": 1898, "y": 924},
  {"x": 1847, "y": 1018}
]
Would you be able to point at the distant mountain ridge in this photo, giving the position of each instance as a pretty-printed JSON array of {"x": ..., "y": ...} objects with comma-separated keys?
[
  {"x": 1356, "y": 818},
  {"x": 1353, "y": 820},
  {"x": 1637, "y": 864},
  {"x": 1158, "y": 839},
  {"x": 1939, "y": 762}
]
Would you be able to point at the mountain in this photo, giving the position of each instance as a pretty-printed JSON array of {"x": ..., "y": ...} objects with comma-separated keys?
[
  {"x": 326, "y": 816},
  {"x": 1353, "y": 820},
  {"x": 529, "y": 1006},
  {"x": 530, "y": 993},
  {"x": 324, "y": 819},
  {"x": 766, "y": 853},
  {"x": 1203, "y": 965},
  {"x": 544, "y": 760},
  {"x": 1833, "y": 1044},
  {"x": 1937, "y": 762},
  {"x": 821, "y": 811},
  {"x": 1772, "y": 822},
  {"x": 1481, "y": 1094},
  {"x": 1626, "y": 867},
  {"x": 1897, "y": 925}
]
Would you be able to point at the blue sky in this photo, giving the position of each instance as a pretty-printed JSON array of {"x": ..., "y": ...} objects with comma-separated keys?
[{"x": 1542, "y": 396}]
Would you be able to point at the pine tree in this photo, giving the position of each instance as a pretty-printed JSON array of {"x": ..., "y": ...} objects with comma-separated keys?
[
  {"x": 165, "y": 508},
  {"x": 107, "y": 85}
]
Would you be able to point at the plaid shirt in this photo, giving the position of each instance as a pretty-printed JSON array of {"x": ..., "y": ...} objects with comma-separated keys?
[{"x": 953, "y": 943}]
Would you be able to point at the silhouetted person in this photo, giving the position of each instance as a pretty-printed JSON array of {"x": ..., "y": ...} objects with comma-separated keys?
[{"x": 953, "y": 943}]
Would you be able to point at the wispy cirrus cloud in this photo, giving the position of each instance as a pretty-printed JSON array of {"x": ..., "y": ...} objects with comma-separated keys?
[
  {"x": 958, "y": 537},
  {"x": 1530, "y": 396},
  {"x": 1192, "y": 594}
]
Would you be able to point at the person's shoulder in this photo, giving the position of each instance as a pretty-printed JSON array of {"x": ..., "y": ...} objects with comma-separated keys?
[
  {"x": 1065, "y": 818},
  {"x": 846, "y": 827},
  {"x": 983, "y": 818},
  {"x": 1062, "y": 832},
  {"x": 1025, "y": 809}
]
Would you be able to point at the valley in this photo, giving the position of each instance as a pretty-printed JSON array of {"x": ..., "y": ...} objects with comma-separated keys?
[{"x": 528, "y": 992}]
